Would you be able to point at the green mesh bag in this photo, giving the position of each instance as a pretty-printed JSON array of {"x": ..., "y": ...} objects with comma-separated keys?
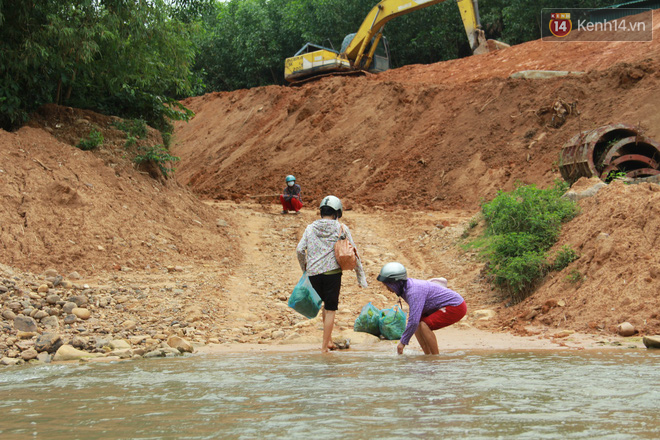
[
  {"x": 368, "y": 321},
  {"x": 392, "y": 323}
]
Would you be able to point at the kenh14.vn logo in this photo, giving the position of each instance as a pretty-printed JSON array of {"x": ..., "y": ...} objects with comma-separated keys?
[{"x": 560, "y": 24}]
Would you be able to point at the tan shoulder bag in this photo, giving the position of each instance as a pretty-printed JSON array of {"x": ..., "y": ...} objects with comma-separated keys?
[{"x": 345, "y": 253}]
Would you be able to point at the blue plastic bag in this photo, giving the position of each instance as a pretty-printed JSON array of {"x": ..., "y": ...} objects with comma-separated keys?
[
  {"x": 368, "y": 321},
  {"x": 304, "y": 298},
  {"x": 392, "y": 323}
]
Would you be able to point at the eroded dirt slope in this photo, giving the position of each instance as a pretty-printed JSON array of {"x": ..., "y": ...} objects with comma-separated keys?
[{"x": 88, "y": 211}]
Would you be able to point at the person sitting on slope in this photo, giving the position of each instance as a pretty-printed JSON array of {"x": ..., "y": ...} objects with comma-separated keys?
[{"x": 291, "y": 197}]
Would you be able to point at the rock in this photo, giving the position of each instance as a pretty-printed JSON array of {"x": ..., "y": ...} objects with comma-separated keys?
[
  {"x": 43, "y": 288},
  {"x": 119, "y": 344},
  {"x": 48, "y": 342},
  {"x": 40, "y": 314},
  {"x": 25, "y": 324},
  {"x": 79, "y": 342},
  {"x": 10, "y": 361},
  {"x": 74, "y": 276},
  {"x": 563, "y": 334},
  {"x": 68, "y": 306},
  {"x": 81, "y": 313},
  {"x": 483, "y": 314},
  {"x": 129, "y": 325},
  {"x": 51, "y": 323},
  {"x": 651, "y": 341},
  {"x": 26, "y": 335},
  {"x": 625, "y": 329},
  {"x": 544, "y": 74},
  {"x": 138, "y": 339},
  {"x": 70, "y": 319},
  {"x": 50, "y": 273},
  {"x": 44, "y": 357},
  {"x": 53, "y": 299},
  {"x": 125, "y": 353},
  {"x": 68, "y": 353},
  {"x": 531, "y": 315},
  {"x": 593, "y": 186},
  {"x": 180, "y": 344},
  {"x": 29, "y": 354},
  {"x": 15, "y": 306},
  {"x": 79, "y": 300},
  {"x": 163, "y": 352},
  {"x": 359, "y": 338},
  {"x": 8, "y": 315}
]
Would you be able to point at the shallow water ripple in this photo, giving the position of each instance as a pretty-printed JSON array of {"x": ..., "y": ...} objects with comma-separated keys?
[{"x": 348, "y": 395}]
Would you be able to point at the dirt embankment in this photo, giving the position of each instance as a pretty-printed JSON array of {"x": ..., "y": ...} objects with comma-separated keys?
[{"x": 87, "y": 211}]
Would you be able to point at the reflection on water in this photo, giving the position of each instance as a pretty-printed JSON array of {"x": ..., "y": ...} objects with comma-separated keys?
[{"x": 351, "y": 395}]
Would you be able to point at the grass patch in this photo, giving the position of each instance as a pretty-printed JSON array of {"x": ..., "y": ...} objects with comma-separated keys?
[
  {"x": 575, "y": 277},
  {"x": 92, "y": 141}
]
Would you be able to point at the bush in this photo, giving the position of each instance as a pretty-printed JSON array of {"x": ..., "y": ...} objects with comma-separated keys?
[
  {"x": 93, "y": 140},
  {"x": 521, "y": 226},
  {"x": 159, "y": 156}
]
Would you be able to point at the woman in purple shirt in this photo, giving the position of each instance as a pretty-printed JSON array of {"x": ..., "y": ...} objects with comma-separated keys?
[{"x": 431, "y": 306}]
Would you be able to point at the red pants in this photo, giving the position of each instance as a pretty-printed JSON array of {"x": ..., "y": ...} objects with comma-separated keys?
[
  {"x": 292, "y": 205},
  {"x": 446, "y": 316}
]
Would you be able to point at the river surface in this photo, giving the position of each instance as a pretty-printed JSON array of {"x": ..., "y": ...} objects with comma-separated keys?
[{"x": 613, "y": 394}]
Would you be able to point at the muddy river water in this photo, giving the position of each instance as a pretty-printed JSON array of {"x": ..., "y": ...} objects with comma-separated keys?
[{"x": 609, "y": 394}]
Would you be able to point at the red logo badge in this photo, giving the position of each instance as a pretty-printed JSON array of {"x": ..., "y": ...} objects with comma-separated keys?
[{"x": 560, "y": 24}]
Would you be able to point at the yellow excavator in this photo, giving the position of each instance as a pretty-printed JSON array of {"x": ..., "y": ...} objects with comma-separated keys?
[{"x": 367, "y": 50}]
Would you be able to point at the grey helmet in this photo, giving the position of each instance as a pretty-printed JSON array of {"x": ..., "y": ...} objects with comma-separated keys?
[
  {"x": 392, "y": 272},
  {"x": 332, "y": 202}
]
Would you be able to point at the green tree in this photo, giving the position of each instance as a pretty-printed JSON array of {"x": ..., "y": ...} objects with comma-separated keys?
[{"x": 123, "y": 57}]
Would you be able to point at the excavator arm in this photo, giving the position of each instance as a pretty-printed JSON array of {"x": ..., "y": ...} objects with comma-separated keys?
[{"x": 368, "y": 35}]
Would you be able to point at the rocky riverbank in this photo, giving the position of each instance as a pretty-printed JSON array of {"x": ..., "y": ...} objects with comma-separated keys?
[{"x": 53, "y": 317}]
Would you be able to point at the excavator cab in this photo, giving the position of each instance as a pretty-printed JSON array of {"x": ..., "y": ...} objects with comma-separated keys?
[{"x": 381, "y": 56}]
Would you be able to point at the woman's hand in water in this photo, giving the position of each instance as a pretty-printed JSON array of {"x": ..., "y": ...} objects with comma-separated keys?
[{"x": 399, "y": 348}]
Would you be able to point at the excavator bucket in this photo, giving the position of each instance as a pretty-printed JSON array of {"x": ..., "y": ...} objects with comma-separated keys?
[{"x": 469, "y": 10}]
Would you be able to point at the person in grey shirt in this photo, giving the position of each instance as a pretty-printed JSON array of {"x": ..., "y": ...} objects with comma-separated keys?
[{"x": 316, "y": 255}]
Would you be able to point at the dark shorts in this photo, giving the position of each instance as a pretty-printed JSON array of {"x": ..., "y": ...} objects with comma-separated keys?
[
  {"x": 327, "y": 286},
  {"x": 446, "y": 316}
]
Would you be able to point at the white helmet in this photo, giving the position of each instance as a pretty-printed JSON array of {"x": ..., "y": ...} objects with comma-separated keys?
[
  {"x": 332, "y": 202},
  {"x": 392, "y": 272}
]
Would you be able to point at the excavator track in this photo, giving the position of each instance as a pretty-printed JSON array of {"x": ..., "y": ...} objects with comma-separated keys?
[
  {"x": 325, "y": 75},
  {"x": 616, "y": 149}
]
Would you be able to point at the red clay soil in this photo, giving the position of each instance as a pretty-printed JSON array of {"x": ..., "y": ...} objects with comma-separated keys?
[{"x": 417, "y": 143}]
